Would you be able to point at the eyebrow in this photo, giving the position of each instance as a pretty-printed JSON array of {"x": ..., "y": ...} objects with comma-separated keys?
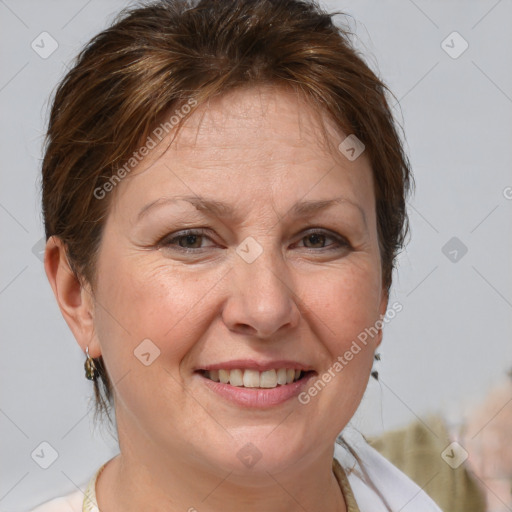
[{"x": 222, "y": 210}]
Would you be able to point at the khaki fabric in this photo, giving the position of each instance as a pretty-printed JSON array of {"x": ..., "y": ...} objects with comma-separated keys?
[
  {"x": 344, "y": 484},
  {"x": 416, "y": 451}
]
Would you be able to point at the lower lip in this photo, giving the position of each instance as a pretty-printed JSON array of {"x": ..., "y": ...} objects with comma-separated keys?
[{"x": 258, "y": 397}]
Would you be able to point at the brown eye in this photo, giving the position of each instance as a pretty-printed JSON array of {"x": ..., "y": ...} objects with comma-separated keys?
[
  {"x": 187, "y": 241},
  {"x": 320, "y": 239},
  {"x": 193, "y": 240},
  {"x": 315, "y": 239}
]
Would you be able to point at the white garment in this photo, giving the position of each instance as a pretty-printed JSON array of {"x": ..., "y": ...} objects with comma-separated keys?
[
  {"x": 378, "y": 476},
  {"x": 69, "y": 503},
  {"x": 375, "y": 475}
]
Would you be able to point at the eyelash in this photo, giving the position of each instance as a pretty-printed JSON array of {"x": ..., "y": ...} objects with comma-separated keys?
[{"x": 167, "y": 242}]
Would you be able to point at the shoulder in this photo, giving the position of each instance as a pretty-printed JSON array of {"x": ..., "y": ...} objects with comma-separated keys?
[
  {"x": 69, "y": 503},
  {"x": 376, "y": 483}
]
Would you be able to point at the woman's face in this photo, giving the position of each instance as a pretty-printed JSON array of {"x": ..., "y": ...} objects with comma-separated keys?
[{"x": 269, "y": 278}]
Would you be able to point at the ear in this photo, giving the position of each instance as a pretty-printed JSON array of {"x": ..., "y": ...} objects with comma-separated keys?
[
  {"x": 74, "y": 299},
  {"x": 382, "y": 311}
]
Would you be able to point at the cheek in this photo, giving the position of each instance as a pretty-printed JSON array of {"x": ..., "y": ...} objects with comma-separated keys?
[
  {"x": 345, "y": 301},
  {"x": 156, "y": 302},
  {"x": 344, "y": 310},
  {"x": 153, "y": 311}
]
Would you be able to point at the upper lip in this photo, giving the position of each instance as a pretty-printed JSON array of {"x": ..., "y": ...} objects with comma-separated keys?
[{"x": 252, "y": 364}]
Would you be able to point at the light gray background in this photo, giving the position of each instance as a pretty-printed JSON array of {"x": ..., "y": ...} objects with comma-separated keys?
[{"x": 447, "y": 347}]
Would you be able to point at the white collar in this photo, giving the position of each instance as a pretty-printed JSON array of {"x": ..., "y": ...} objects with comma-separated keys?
[{"x": 373, "y": 475}]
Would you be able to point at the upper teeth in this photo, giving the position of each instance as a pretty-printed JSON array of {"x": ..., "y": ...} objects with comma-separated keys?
[{"x": 254, "y": 378}]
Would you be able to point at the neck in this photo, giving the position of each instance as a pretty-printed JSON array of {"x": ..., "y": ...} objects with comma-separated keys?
[{"x": 145, "y": 479}]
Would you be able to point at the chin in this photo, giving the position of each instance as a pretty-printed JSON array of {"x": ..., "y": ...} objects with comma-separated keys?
[{"x": 259, "y": 451}]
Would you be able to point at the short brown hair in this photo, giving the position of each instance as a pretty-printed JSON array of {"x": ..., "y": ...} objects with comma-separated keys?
[{"x": 156, "y": 57}]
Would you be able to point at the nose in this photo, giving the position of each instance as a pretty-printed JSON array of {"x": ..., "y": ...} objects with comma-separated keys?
[{"x": 262, "y": 300}]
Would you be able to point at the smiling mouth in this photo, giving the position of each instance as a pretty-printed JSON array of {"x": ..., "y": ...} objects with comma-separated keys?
[{"x": 249, "y": 378}]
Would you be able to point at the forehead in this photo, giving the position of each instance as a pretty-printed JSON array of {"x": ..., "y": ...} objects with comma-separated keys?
[
  {"x": 260, "y": 119},
  {"x": 251, "y": 141}
]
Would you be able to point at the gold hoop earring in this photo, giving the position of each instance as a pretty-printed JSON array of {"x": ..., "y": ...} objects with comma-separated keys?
[{"x": 91, "y": 372}]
